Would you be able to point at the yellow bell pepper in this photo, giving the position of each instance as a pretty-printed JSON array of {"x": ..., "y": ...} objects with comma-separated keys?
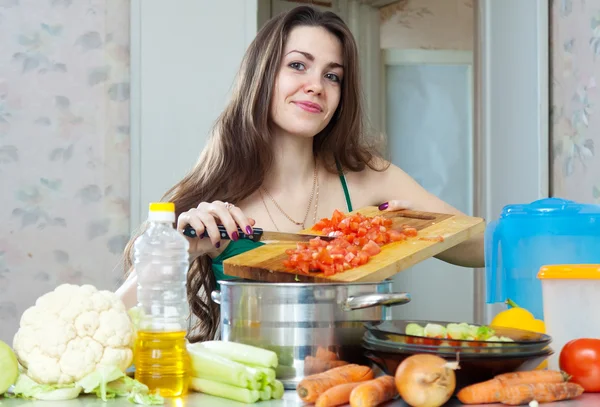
[{"x": 519, "y": 318}]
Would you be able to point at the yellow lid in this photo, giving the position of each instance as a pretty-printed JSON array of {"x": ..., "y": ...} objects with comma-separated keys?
[
  {"x": 162, "y": 207},
  {"x": 570, "y": 272}
]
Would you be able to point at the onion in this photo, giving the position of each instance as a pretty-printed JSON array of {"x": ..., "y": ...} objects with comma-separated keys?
[{"x": 426, "y": 380}]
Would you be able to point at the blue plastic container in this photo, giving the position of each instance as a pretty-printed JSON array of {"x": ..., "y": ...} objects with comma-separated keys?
[{"x": 529, "y": 236}]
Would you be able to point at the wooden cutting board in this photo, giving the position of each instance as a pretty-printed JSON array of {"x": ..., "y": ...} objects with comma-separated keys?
[{"x": 265, "y": 263}]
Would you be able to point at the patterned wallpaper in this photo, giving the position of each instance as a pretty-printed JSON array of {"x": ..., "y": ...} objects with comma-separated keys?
[
  {"x": 64, "y": 147},
  {"x": 575, "y": 99},
  {"x": 428, "y": 24}
]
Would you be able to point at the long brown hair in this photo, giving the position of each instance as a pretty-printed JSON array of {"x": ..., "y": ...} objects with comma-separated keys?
[{"x": 241, "y": 137}]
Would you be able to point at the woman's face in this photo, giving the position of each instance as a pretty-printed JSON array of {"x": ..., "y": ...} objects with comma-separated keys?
[{"x": 309, "y": 82}]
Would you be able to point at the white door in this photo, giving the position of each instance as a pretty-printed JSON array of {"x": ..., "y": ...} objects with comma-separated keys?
[{"x": 429, "y": 125}]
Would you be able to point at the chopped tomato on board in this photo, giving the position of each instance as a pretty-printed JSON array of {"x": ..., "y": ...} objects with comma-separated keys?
[{"x": 358, "y": 238}]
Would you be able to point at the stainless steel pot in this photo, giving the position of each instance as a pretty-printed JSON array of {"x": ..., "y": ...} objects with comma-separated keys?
[{"x": 304, "y": 323}]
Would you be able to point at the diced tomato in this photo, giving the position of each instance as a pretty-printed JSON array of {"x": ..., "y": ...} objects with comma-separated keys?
[
  {"x": 337, "y": 217},
  {"x": 395, "y": 235},
  {"x": 409, "y": 231},
  {"x": 433, "y": 239},
  {"x": 372, "y": 248},
  {"x": 356, "y": 239}
]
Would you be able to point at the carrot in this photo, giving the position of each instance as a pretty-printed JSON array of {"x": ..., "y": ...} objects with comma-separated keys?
[
  {"x": 337, "y": 395},
  {"x": 494, "y": 391},
  {"x": 540, "y": 392},
  {"x": 490, "y": 391},
  {"x": 313, "y": 386},
  {"x": 374, "y": 392},
  {"x": 314, "y": 365},
  {"x": 325, "y": 354},
  {"x": 534, "y": 376}
]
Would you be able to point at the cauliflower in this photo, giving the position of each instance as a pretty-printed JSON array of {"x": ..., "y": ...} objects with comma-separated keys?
[{"x": 72, "y": 331}]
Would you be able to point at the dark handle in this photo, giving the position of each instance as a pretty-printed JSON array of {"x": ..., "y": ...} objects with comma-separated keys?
[{"x": 255, "y": 236}]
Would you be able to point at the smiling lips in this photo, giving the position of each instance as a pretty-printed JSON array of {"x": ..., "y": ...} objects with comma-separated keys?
[{"x": 309, "y": 106}]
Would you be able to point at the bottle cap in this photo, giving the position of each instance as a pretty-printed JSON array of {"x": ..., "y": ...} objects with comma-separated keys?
[{"x": 161, "y": 212}]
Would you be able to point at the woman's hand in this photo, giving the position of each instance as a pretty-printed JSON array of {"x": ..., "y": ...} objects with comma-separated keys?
[{"x": 205, "y": 218}]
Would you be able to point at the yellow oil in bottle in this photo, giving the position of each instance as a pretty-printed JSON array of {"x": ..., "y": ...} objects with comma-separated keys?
[{"x": 162, "y": 362}]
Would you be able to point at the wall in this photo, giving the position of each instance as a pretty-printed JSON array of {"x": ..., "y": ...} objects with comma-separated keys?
[
  {"x": 76, "y": 171},
  {"x": 64, "y": 148},
  {"x": 575, "y": 126},
  {"x": 184, "y": 60},
  {"x": 428, "y": 24}
]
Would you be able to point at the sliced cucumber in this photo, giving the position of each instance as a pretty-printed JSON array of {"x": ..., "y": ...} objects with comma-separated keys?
[
  {"x": 415, "y": 330},
  {"x": 435, "y": 331}
]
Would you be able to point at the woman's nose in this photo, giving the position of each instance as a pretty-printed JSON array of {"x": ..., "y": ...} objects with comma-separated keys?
[{"x": 313, "y": 85}]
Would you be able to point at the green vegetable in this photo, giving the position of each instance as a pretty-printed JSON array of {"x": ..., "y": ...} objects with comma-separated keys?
[
  {"x": 224, "y": 390},
  {"x": 26, "y": 388},
  {"x": 414, "y": 329},
  {"x": 434, "y": 331},
  {"x": 278, "y": 389},
  {"x": 268, "y": 372},
  {"x": 9, "y": 370},
  {"x": 96, "y": 382},
  {"x": 242, "y": 353},
  {"x": 462, "y": 331},
  {"x": 265, "y": 393},
  {"x": 105, "y": 382},
  {"x": 484, "y": 332},
  {"x": 457, "y": 331},
  {"x": 212, "y": 366},
  {"x": 109, "y": 382}
]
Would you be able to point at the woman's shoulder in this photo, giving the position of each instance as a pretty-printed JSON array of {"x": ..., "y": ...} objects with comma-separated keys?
[
  {"x": 381, "y": 181},
  {"x": 378, "y": 170}
]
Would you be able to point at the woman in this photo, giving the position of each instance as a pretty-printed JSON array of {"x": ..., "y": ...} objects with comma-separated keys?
[{"x": 289, "y": 148}]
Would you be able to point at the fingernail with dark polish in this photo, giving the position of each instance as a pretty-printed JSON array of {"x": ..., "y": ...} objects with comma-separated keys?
[
  {"x": 383, "y": 206},
  {"x": 248, "y": 230},
  {"x": 234, "y": 236},
  {"x": 218, "y": 244}
]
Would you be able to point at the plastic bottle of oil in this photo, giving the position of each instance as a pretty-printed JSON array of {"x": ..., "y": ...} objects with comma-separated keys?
[{"x": 161, "y": 263}]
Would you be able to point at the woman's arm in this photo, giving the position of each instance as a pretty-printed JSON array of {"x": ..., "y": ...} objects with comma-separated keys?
[
  {"x": 128, "y": 290},
  {"x": 396, "y": 185}
]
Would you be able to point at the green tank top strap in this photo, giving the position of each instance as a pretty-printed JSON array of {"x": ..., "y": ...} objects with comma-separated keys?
[{"x": 344, "y": 186}]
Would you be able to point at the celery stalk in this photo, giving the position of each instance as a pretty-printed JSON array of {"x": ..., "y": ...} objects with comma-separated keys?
[
  {"x": 242, "y": 353},
  {"x": 224, "y": 390},
  {"x": 267, "y": 371},
  {"x": 209, "y": 365},
  {"x": 278, "y": 389},
  {"x": 266, "y": 393}
]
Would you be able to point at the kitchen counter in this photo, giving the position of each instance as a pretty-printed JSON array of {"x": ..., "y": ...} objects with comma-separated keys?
[{"x": 289, "y": 400}]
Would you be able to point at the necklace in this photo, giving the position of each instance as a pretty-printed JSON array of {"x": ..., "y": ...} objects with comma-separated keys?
[{"x": 312, "y": 196}]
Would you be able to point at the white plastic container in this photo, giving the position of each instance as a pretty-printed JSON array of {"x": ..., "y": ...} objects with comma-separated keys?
[{"x": 571, "y": 297}]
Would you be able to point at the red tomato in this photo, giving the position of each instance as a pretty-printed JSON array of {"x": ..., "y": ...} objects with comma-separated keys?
[{"x": 580, "y": 358}]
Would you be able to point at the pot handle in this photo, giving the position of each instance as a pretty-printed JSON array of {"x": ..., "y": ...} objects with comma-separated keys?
[
  {"x": 373, "y": 300},
  {"x": 216, "y": 296}
]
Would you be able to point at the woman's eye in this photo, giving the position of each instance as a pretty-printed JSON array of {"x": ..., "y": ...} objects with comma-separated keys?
[
  {"x": 297, "y": 65},
  {"x": 333, "y": 77}
]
